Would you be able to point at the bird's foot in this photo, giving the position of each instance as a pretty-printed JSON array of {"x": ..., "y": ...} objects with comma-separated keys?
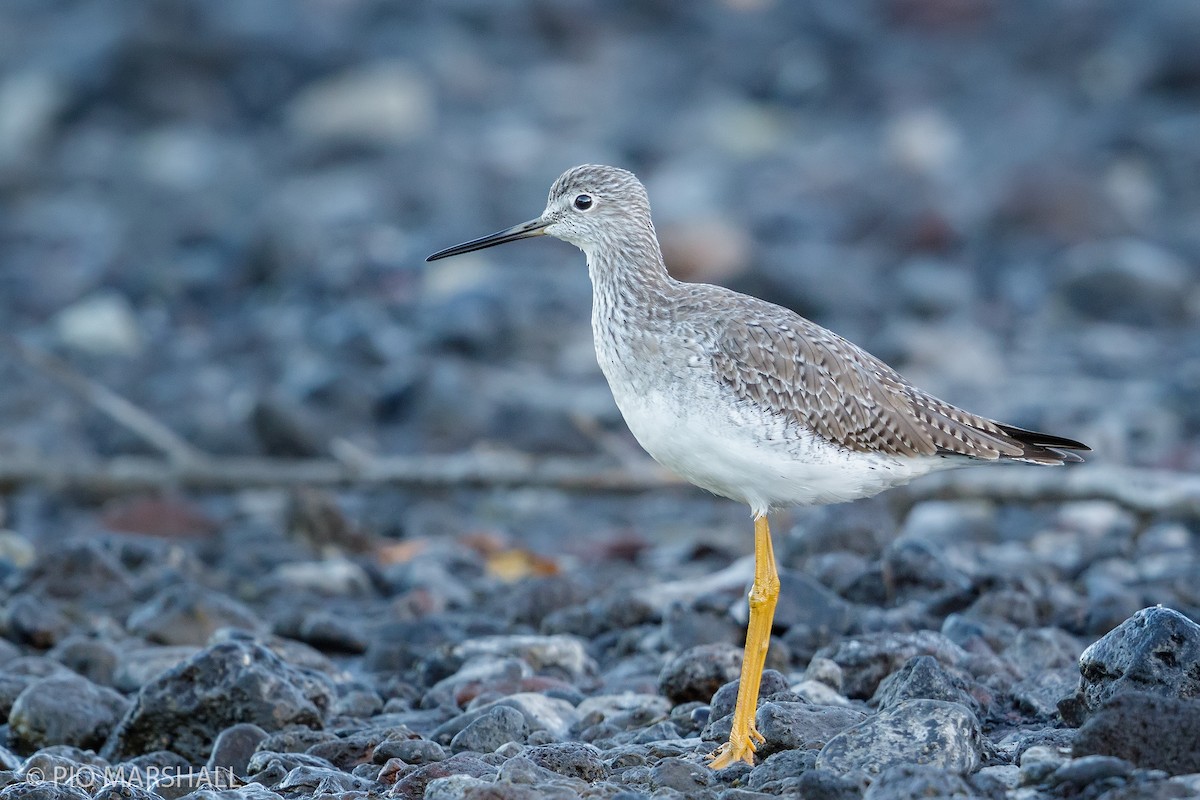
[{"x": 740, "y": 747}]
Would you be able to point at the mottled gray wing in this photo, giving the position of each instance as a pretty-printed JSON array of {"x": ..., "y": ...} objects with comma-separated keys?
[{"x": 797, "y": 369}]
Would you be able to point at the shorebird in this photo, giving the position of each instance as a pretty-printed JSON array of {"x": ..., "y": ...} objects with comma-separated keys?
[{"x": 748, "y": 399}]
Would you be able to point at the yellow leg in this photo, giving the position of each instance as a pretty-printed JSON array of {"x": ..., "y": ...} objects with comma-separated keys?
[{"x": 763, "y": 593}]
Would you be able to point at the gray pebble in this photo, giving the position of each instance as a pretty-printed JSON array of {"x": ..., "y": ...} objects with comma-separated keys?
[
  {"x": 234, "y": 746},
  {"x": 930, "y": 732},
  {"x": 496, "y": 726},
  {"x": 64, "y": 710}
]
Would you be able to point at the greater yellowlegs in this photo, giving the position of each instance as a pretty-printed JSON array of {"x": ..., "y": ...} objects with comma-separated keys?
[{"x": 748, "y": 399}]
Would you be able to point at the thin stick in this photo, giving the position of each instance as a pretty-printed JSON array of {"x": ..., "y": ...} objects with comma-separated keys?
[
  {"x": 134, "y": 419},
  {"x": 1140, "y": 490}
]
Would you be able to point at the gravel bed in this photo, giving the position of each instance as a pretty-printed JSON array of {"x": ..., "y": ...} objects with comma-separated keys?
[{"x": 219, "y": 209}]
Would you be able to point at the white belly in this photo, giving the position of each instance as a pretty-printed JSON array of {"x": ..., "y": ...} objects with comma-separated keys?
[{"x": 740, "y": 454}]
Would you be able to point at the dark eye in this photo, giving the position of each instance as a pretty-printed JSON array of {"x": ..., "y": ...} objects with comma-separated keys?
[{"x": 583, "y": 202}]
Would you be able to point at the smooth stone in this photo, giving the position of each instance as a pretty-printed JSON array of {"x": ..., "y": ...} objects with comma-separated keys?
[
  {"x": 929, "y": 732},
  {"x": 496, "y": 726},
  {"x": 234, "y": 746},
  {"x": 102, "y": 324},
  {"x": 66, "y": 709}
]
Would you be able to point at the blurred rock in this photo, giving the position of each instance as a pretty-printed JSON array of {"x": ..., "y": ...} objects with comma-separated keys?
[
  {"x": 189, "y": 615},
  {"x": 101, "y": 324},
  {"x": 66, "y": 710},
  {"x": 489, "y": 730},
  {"x": 1129, "y": 281},
  {"x": 384, "y": 103},
  {"x": 697, "y": 674}
]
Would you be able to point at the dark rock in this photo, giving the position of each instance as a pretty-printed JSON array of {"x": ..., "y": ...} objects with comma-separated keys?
[
  {"x": 868, "y": 659},
  {"x": 42, "y": 791},
  {"x": 185, "y": 708},
  {"x": 1041, "y": 693},
  {"x": 570, "y": 759},
  {"x": 931, "y": 732},
  {"x": 11, "y": 687},
  {"x": 1037, "y": 649},
  {"x": 496, "y": 726},
  {"x": 682, "y": 776},
  {"x": 331, "y": 633},
  {"x": 810, "y": 614},
  {"x": 64, "y": 710},
  {"x": 321, "y": 781},
  {"x": 725, "y": 699},
  {"x": 234, "y": 746},
  {"x": 411, "y": 751},
  {"x": 34, "y": 621},
  {"x": 520, "y": 770},
  {"x": 824, "y": 784},
  {"x": 1153, "y": 652},
  {"x": 906, "y": 781},
  {"x": 781, "y": 772},
  {"x": 791, "y": 726},
  {"x": 1127, "y": 280},
  {"x": 124, "y": 791},
  {"x": 1149, "y": 731},
  {"x": 78, "y": 569},
  {"x": 925, "y": 677},
  {"x": 347, "y": 752},
  {"x": 94, "y": 659},
  {"x": 1079, "y": 773},
  {"x": 697, "y": 674},
  {"x": 914, "y": 567},
  {"x": 619, "y": 612},
  {"x": 269, "y": 768},
  {"x": 189, "y": 615},
  {"x": 359, "y": 703},
  {"x": 412, "y": 786}
]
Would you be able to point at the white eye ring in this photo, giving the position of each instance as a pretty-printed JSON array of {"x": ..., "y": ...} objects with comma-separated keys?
[{"x": 583, "y": 202}]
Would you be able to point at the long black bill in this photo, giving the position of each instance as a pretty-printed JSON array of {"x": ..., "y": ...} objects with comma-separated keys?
[{"x": 535, "y": 227}]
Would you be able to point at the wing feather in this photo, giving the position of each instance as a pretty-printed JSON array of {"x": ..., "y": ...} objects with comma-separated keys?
[{"x": 794, "y": 368}]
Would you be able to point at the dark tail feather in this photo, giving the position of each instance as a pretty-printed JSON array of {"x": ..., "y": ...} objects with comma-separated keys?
[{"x": 1043, "y": 448}]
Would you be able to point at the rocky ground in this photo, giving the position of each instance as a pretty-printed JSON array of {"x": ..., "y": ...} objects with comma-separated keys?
[{"x": 219, "y": 209}]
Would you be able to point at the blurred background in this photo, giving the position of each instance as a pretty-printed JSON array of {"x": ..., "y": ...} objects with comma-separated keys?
[{"x": 220, "y": 209}]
